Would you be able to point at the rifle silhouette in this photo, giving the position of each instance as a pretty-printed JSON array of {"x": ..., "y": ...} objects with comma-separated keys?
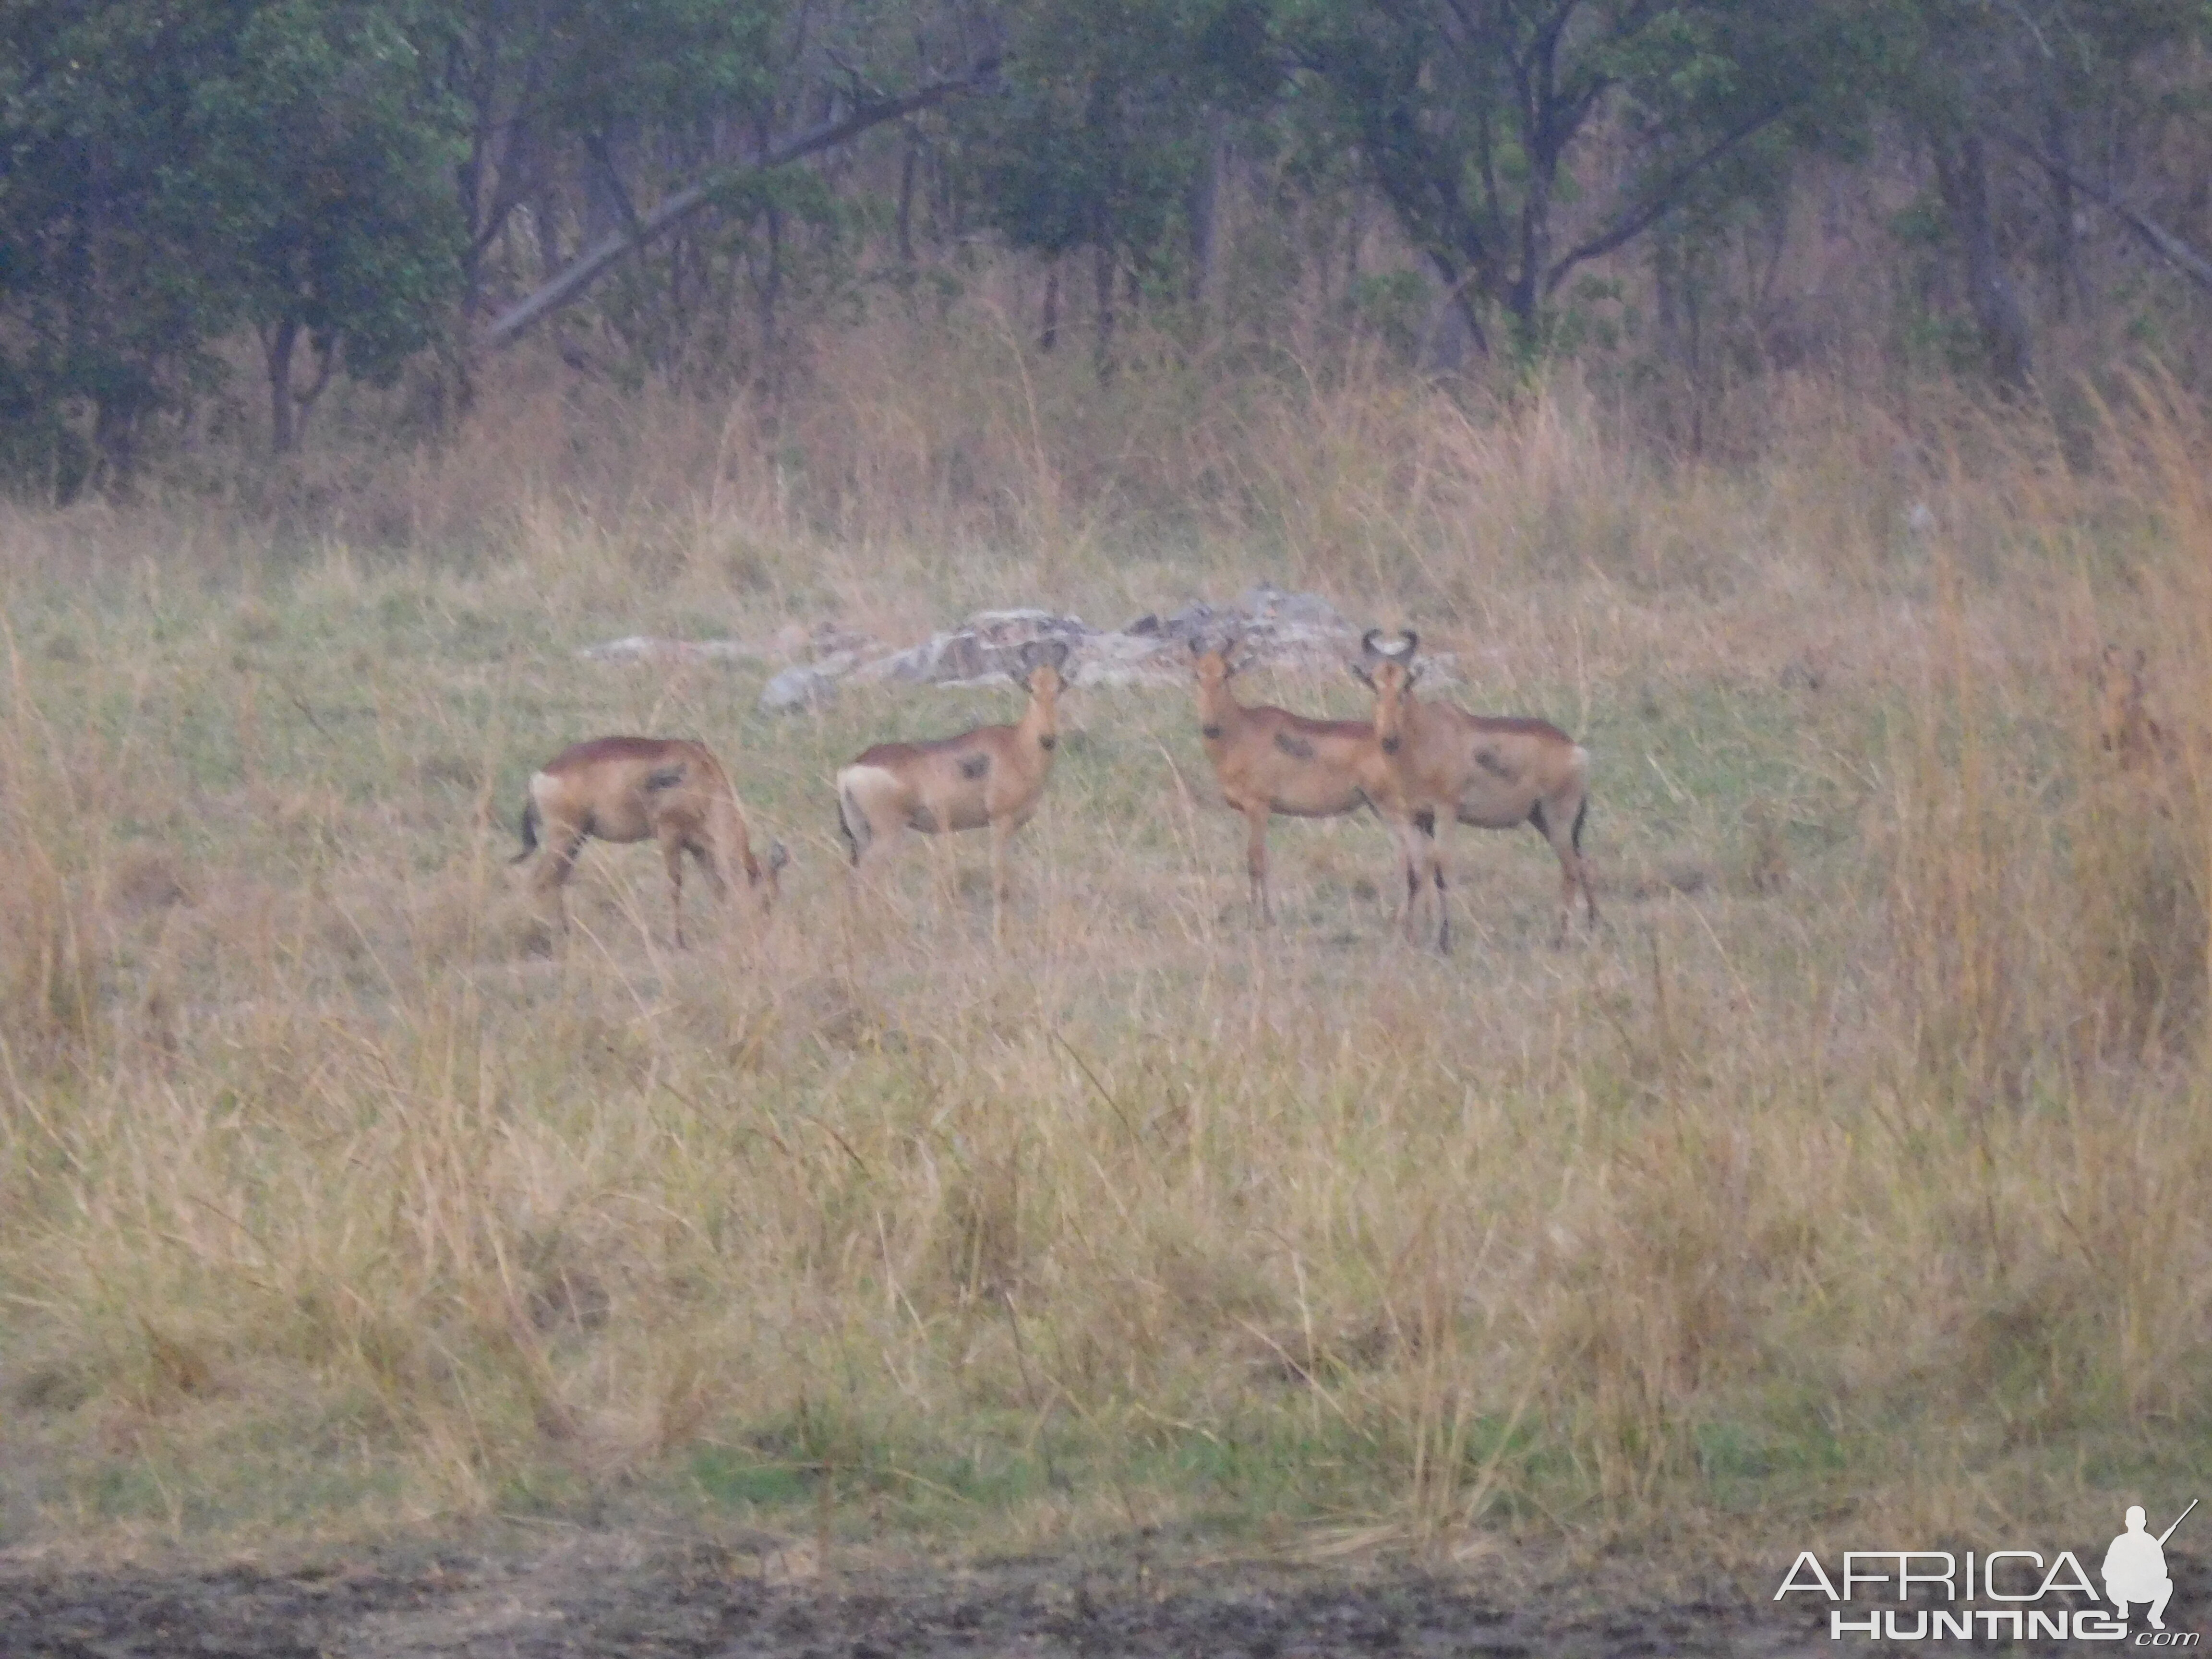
[{"x": 2178, "y": 1520}]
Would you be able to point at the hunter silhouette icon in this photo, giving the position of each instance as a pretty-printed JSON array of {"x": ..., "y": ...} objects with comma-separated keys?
[{"x": 2134, "y": 1566}]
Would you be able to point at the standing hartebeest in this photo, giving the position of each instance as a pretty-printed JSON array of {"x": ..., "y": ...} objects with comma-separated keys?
[
  {"x": 1490, "y": 772},
  {"x": 627, "y": 789},
  {"x": 1269, "y": 760},
  {"x": 992, "y": 776}
]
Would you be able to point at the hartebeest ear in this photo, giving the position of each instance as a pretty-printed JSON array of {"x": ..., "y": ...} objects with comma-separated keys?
[
  {"x": 778, "y": 855},
  {"x": 1409, "y": 643},
  {"x": 1359, "y": 671},
  {"x": 1055, "y": 653}
]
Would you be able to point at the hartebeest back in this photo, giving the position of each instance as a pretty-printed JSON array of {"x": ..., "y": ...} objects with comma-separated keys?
[
  {"x": 992, "y": 776},
  {"x": 1495, "y": 774},
  {"x": 628, "y": 789},
  {"x": 1269, "y": 760}
]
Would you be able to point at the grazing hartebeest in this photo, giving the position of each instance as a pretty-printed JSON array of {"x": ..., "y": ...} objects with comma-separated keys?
[
  {"x": 1269, "y": 760},
  {"x": 991, "y": 776},
  {"x": 627, "y": 789},
  {"x": 1493, "y": 773}
]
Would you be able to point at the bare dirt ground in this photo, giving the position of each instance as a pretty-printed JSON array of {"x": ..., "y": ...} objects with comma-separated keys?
[
  {"x": 631, "y": 1594},
  {"x": 620, "y": 1594}
]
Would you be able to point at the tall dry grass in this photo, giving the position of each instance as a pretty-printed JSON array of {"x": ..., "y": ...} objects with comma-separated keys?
[{"x": 1855, "y": 1165}]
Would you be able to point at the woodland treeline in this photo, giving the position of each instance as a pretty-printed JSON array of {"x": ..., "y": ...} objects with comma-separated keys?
[{"x": 205, "y": 199}]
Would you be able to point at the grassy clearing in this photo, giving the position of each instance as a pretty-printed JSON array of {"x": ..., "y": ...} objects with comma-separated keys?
[{"x": 1855, "y": 1166}]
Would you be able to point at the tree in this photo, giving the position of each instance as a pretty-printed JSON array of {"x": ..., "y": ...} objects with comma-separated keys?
[
  {"x": 321, "y": 156},
  {"x": 1518, "y": 139},
  {"x": 1970, "y": 77},
  {"x": 549, "y": 86},
  {"x": 107, "y": 292},
  {"x": 176, "y": 171},
  {"x": 1107, "y": 127}
]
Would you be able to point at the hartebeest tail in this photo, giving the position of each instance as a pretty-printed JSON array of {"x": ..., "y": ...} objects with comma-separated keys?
[
  {"x": 991, "y": 777},
  {"x": 1268, "y": 760},
  {"x": 629, "y": 789},
  {"x": 1493, "y": 772}
]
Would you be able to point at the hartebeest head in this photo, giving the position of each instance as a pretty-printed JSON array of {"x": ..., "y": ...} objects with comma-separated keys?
[
  {"x": 2127, "y": 729},
  {"x": 1038, "y": 670},
  {"x": 1215, "y": 658},
  {"x": 1388, "y": 672}
]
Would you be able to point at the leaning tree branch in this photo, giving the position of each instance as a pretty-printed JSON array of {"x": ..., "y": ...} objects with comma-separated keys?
[
  {"x": 2161, "y": 241},
  {"x": 612, "y": 249},
  {"x": 1636, "y": 220}
]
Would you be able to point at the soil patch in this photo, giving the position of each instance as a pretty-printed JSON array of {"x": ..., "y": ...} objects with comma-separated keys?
[{"x": 610, "y": 1594}]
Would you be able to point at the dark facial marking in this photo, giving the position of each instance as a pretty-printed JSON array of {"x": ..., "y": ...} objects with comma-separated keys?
[
  {"x": 1390, "y": 744},
  {"x": 974, "y": 765},
  {"x": 1209, "y": 731},
  {"x": 1049, "y": 741},
  {"x": 1425, "y": 821},
  {"x": 1297, "y": 748}
]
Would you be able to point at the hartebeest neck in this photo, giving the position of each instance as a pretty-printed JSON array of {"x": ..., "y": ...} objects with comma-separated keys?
[
  {"x": 1040, "y": 722},
  {"x": 1216, "y": 709}
]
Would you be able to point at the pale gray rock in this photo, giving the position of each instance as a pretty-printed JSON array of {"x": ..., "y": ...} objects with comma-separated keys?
[{"x": 802, "y": 686}]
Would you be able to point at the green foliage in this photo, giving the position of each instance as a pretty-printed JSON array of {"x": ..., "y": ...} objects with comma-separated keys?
[
  {"x": 1468, "y": 119},
  {"x": 175, "y": 172},
  {"x": 1102, "y": 128}
]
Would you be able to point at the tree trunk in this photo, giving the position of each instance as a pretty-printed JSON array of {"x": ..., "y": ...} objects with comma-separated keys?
[
  {"x": 1103, "y": 270},
  {"x": 908, "y": 165},
  {"x": 2067, "y": 285},
  {"x": 1050, "y": 335},
  {"x": 1963, "y": 175},
  {"x": 284, "y": 434},
  {"x": 771, "y": 290},
  {"x": 1205, "y": 205}
]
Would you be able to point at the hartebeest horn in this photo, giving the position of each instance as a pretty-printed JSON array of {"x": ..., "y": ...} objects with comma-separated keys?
[{"x": 1035, "y": 651}]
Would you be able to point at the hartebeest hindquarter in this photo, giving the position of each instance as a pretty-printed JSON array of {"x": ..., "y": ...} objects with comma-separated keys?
[
  {"x": 991, "y": 777},
  {"x": 628, "y": 789},
  {"x": 1490, "y": 772},
  {"x": 1268, "y": 760}
]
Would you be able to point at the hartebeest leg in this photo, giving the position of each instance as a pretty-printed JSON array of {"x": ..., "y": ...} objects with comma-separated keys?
[
  {"x": 1001, "y": 832},
  {"x": 1409, "y": 905},
  {"x": 551, "y": 879},
  {"x": 1425, "y": 867},
  {"x": 1255, "y": 862},
  {"x": 1559, "y": 826},
  {"x": 671, "y": 852},
  {"x": 1444, "y": 903}
]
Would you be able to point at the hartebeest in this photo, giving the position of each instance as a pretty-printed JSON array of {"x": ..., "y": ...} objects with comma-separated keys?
[
  {"x": 628, "y": 789},
  {"x": 1495, "y": 774},
  {"x": 1269, "y": 760},
  {"x": 2129, "y": 734},
  {"x": 992, "y": 776}
]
